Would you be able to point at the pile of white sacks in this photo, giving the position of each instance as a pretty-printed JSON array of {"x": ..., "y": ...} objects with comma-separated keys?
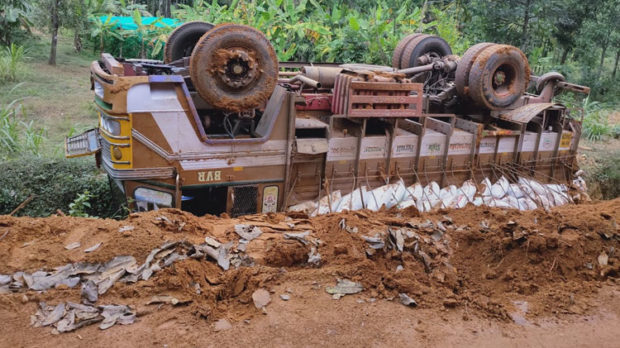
[{"x": 525, "y": 194}]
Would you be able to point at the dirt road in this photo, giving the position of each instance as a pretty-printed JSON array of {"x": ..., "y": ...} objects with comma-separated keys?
[{"x": 481, "y": 277}]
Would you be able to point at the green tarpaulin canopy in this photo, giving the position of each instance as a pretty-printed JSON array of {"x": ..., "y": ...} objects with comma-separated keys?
[{"x": 127, "y": 23}]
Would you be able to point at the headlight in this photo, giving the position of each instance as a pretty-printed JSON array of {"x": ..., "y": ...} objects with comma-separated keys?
[
  {"x": 110, "y": 126},
  {"x": 162, "y": 199},
  {"x": 98, "y": 90}
]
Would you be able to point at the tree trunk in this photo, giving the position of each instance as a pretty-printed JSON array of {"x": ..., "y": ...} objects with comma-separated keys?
[
  {"x": 55, "y": 24},
  {"x": 165, "y": 8},
  {"x": 77, "y": 41},
  {"x": 565, "y": 55},
  {"x": 613, "y": 74},
  {"x": 600, "y": 67},
  {"x": 526, "y": 24}
]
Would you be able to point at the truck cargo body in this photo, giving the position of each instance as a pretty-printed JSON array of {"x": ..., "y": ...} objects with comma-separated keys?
[{"x": 152, "y": 142}]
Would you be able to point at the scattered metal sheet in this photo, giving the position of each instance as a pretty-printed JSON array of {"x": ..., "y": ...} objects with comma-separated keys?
[
  {"x": 55, "y": 315},
  {"x": 301, "y": 236},
  {"x": 158, "y": 299},
  {"x": 396, "y": 238},
  {"x": 5, "y": 279},
  {"x": 113, "y": 314},
  {"x": 314, "y": 257},
  {"x": 93, "y": 248},
  {"x": 375, "y": 242},
  {"x": 72, "y": 246},
  {"x": 248, "y": 232},
  {"x": 89, "y": 291},
  {"x": 406, "y": 300},
  {"x": 212, "y": 242},
  {"x": 344, "y": 287}
]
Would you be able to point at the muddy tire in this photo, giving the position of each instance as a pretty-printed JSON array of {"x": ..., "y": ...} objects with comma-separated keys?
[
  {"x": 498, "y": 77},
  {"x": 464, "y": 66},
  {"x": 546, "y": 78},
  {"x": 182, "y": 40},
  {"x": 421, "y": 45},
  {"x": 234, "y": 67},
  {"x": 400, "y": 48}
]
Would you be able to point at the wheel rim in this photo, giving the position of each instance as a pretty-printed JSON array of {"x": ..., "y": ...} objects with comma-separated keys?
[
  {"x": 237, "y": 67},
  {"x": 503, "y": 80}
]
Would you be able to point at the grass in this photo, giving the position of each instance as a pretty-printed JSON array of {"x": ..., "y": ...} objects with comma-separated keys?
[{"x": 55, "y": 98}]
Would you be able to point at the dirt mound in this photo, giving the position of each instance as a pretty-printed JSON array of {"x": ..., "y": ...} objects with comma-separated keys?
[{"x": 478, "y": 259}]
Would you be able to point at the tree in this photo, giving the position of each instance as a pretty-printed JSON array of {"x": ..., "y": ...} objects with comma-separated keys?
[
  {"x": 77, "y": 20},
  {"x": 55, "y": 24},
  {"x": 102, "y": 30},
  {"x": 569, "y": 17},
  {"x": 14, "y": 15},
  {"x": 600, "y": 29}
]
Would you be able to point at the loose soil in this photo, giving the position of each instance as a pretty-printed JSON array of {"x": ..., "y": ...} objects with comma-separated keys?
[{"x": 495, "y": 277}]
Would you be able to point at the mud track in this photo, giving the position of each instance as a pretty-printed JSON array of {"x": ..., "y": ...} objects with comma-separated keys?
[{"x": 504, "y": 270}]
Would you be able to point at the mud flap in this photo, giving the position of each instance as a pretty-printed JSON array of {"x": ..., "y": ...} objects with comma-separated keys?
[{"x": 83, "y": 144}]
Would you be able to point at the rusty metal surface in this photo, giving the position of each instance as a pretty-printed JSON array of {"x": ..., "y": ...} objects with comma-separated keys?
[
  {"x": 525, "y": 113},
  {"x": 498, "y": 77},
  {"x": 234, "y": 68},
  {"x": 316, "y": 102},
  {"x": 384, "y": 99},
  {"x": 325, "y": 75},
  {"x": 277, "y": 149}
]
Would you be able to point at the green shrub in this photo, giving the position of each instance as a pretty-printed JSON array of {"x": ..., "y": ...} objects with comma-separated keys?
[
  {"x": 18, "y": 137},
  {"x": 11, "y": 63},
  {"x": 56, "y": 183},
  {"x": 80, "y": 204},
  {"x": 603, "y": 178}
]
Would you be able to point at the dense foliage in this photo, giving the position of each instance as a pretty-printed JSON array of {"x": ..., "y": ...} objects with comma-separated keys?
[
  {"x": 56, "y": 184},
  {"x": 581, "y": 39}
]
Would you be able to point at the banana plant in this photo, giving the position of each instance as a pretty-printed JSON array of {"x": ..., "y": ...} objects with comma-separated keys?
[{"x": 102, "y": 30}]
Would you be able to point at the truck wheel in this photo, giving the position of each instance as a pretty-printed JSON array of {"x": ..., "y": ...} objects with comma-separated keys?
[
  {"x": 400, "y": 48},
  {"x": 421, "y": 45},
  {"x": 234, "y": 67},
  {"x": 464, "y": 66},
  {"x": 546, "y": 78},
  {"x": 182, "y": 40},
  {"x": 498, "y": 77}
]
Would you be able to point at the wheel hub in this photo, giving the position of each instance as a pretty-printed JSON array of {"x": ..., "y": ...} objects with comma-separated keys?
[
  {"x": 499, "y": 78},
  {"x": 236, "y": 68}
]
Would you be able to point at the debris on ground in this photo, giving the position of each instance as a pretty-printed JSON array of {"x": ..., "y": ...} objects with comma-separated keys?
[
  {"x": 222, "y": 325},
  {"x": 555, "y": 261},
  {"x": 167, "y": 299},
  {"x": 248, "y": 232},
  {"x": 406, "y": 300},
  {"x": 92, "y": 248},
  {"x": 261, "y": 298},
  {"x": 344, "y": 287},
  {"x": 66, "y": 317},
  {"x": 72, "y": 246}
]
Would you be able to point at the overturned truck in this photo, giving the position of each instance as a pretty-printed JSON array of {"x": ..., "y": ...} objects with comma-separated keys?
[{"x": 221, "y": 126}]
